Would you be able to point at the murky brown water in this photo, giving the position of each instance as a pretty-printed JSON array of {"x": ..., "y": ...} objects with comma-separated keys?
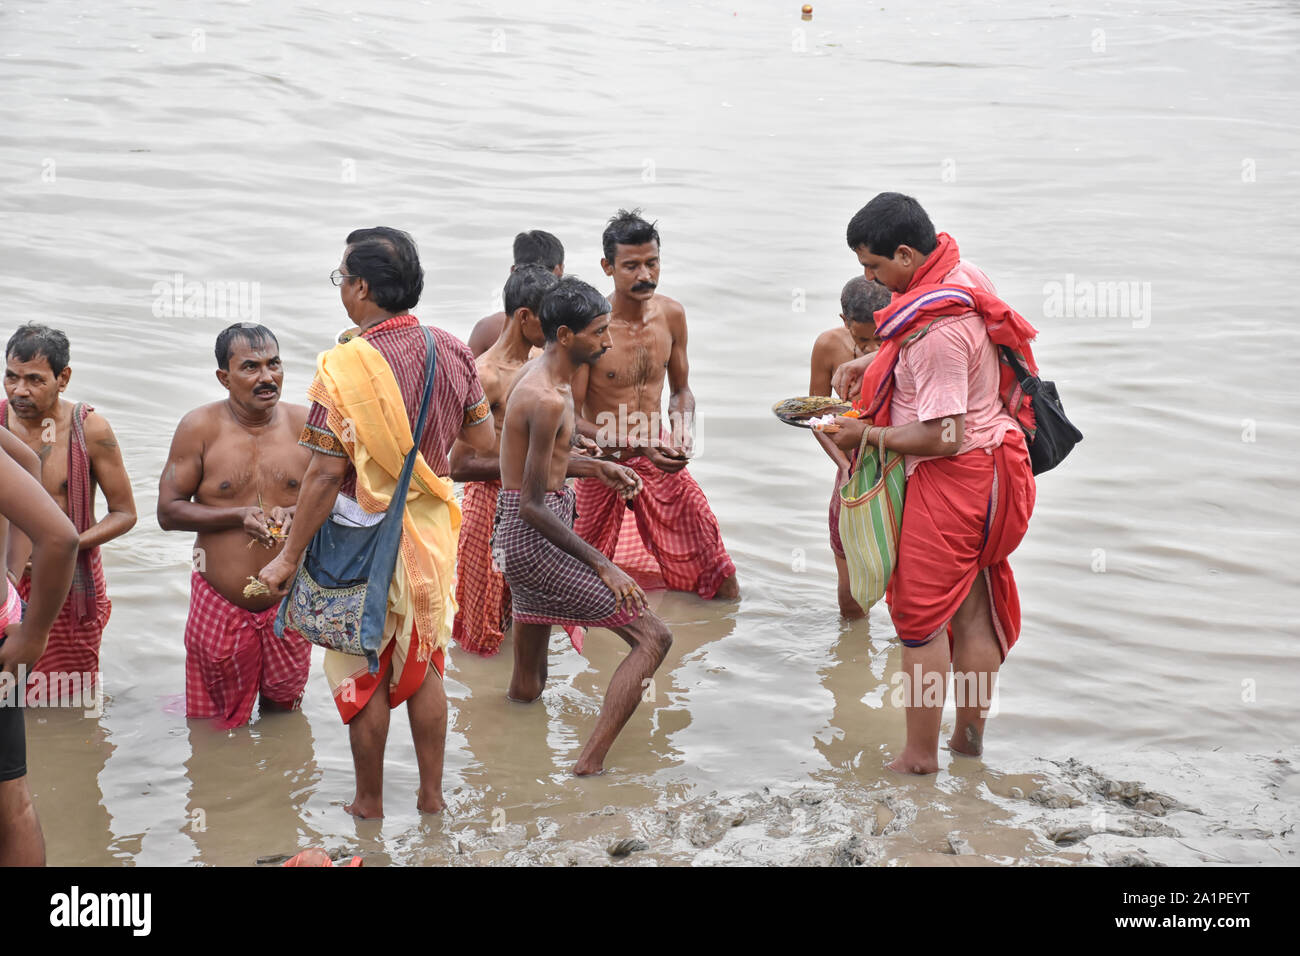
[{"x": 1065, "y": 148}]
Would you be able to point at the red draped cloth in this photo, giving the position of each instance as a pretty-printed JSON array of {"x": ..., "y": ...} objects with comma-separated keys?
[
  {"x": 77, "y": 632},
  {"x": 962, "y": 518},
  {"x": 963, "y": 515},
  {"x": 674, "y": 520}
]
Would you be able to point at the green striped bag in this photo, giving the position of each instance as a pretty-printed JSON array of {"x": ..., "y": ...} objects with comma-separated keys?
[{"x": 871, "y": 513}]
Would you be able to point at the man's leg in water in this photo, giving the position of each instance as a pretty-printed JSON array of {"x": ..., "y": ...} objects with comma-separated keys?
[
  {"x": 21, "y": 840},
  {"x": 649, "y": 639},
  {"x": 368, "y": 734},
  {"x": 976, "y": 658},
  {"x": 532, "y": 642},
  {"x": 925, "y": 669},
  {"x": 427, "y": 711},
  {"x": 849, "y": 607}
]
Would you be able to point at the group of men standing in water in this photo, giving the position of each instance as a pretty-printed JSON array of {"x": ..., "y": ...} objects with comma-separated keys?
[
  {"x": 564, "y": 383},
  {"x": 236, "y": 468}
]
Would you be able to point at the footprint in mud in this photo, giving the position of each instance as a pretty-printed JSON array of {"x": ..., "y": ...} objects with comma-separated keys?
[
  {"x": 1128, "y": 792},
  {"x": 1068, "y": 834},
  {"x": 712, "y": 825}
]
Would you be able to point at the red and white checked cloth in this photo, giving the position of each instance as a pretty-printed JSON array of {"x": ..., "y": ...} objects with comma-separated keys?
[
  {"x": 547, "y": 584},
  {"x": 231, "y": 654},
  {"x": 675, "y": 522},
  {"x": 482, "y": 597},
  {"x": 73, "y": 647}
]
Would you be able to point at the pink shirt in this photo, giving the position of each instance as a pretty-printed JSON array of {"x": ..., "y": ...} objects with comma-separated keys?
[{"x": 953, "y": 370}]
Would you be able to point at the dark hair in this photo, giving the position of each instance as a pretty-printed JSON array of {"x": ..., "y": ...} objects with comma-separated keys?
[
  {"x": 538, "y": 248},
  {"x": 862, "y": 298},
  {"x": 570, "y": 303},
  {"x": 889, "y": 221},
  {"x": 31, "y": 341},
  {"x": 526, "y": 286},
  {"x": 252, "y": 334},
  {"x": 627, "y": 229},
  {"x": 387, "y": 259}
]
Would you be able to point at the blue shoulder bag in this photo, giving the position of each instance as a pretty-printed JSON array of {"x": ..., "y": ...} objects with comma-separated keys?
[{"x": 339, "y": 599}]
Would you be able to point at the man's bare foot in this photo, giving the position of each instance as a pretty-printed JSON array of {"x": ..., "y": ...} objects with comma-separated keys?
[
  {"x": 522, "y": 697},
  {"x": 912, "y": 764},
  {"x": 968, "y": 742},
  {"x": 430, "y": 802},
  {"x": 729, "y": 589},
  {"x": 364, "y": 809},
  {"x": 587, "y": 769}
]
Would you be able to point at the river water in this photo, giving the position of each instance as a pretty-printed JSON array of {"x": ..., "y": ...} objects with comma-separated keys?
[{"x": 1138, "y": 156}]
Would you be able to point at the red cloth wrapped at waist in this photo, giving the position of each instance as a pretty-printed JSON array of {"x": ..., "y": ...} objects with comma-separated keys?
[{"x": 962, "y": 516}]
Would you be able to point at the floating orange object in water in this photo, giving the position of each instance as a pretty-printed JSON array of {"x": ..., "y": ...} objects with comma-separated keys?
[
  {"x": 316, "y": 857},
  {"x": 807, "y": 11}
]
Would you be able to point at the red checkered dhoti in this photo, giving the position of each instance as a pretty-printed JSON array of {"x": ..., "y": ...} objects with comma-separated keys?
[
  {"x": 675, "y": 522},
  {"x": 73, "y": 647},
  {"x": 482, "y": 596},
  {"x": 232, "y": 654}
]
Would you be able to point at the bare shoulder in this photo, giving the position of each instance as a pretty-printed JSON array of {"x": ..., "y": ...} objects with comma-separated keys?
[
  {"x": 673, "y": 310},
  {"x": 535, "y": 394},
  {"x": 98, "y": 430},
  {"x": 297, "y": 414},
  {"x": 828, "y": 342},
  {"x": 198, "y": 422}
]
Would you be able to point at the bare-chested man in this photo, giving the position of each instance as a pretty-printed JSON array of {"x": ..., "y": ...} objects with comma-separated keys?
[
  {"x": 620, "y": 399},
  {"x": 482, "y": 599},
  {"x": 78, "y": 453},
  {"x": 554, "y": 576},
  {"x": 860, "y": 300},
  {"x": 232, "y": 475},
  {"x": 535, "y": 248}
]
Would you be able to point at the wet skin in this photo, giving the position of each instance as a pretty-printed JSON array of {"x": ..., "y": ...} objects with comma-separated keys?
[
  {"x": 234, "y": 467},
  {"x": 39, "y": 416}
]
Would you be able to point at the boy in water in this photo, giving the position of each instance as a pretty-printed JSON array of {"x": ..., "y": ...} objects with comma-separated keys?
[
  {"x": 554, "y": 576},
  {"x": 859, "y": 301}
]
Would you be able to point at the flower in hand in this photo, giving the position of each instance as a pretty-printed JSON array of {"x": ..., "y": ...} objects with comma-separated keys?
[{"x": 278, "y": 575}]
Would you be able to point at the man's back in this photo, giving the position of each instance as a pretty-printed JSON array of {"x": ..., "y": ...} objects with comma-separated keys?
[{"x": 456, "y": 389}]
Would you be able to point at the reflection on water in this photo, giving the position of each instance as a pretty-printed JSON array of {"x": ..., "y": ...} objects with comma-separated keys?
[
  {"x": 66, "y": 754},
  {"x": 1063, "y": 150},
  {"x": 267, "y": 769}
]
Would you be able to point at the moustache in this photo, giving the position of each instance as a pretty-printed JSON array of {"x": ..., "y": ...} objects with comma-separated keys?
[
  {"x": 643, "y": 287},
  {"x": 265, "y": 390}
]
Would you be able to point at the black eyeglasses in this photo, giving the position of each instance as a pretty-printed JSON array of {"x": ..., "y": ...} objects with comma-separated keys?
[{"x": 338, "y": 275}]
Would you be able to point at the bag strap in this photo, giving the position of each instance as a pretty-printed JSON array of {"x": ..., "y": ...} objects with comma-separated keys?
[
  {"x": 880, "y": 455},
  {"x": 1022, "y": 374},
  {"x": 398, "y": 501}
]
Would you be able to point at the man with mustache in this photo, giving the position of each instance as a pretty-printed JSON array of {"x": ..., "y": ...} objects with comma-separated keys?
[
  {"x": 619, "y": 398},
  {"x": 232, "y": 476},
  {"x": 78, "y": 452}
]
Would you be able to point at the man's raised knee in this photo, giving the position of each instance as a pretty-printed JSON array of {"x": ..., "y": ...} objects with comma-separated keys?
[{"x": 657, "y": 637}]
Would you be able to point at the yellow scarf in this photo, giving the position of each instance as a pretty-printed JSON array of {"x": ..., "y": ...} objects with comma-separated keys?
[{"x": 367, "y": 414}]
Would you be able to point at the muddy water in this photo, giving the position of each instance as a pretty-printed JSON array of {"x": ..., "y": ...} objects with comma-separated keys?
[{"x": 1067, "y": 148}]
